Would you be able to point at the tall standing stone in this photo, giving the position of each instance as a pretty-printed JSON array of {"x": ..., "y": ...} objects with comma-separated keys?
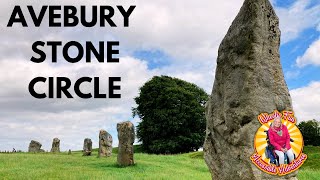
[
  {"x": 248, "y": 81},
  {"x": 126, "y": 137},
  {"x": 87, "y": 147},
  {"x": 34, "y": 146},
  {"x": 105, "y": 144},
  {"x": 55, "y": 145}
]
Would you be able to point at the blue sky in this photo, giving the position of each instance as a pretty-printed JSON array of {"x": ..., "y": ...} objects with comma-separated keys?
[
  {"x": 291, "y": 51},
  {"x": 179, "y": 39},
  {"x": 295, "y": 76},
  {"x": 284, "y": 3},
  {"x": 155, "y": 58}
]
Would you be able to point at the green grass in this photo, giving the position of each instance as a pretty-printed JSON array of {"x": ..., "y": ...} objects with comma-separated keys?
[
  {"x": 75, "y": 166},
  {"x": 311, "y": 168}
]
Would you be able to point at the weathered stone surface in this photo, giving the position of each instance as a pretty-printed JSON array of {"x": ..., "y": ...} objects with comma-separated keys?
[
  {"x": 34, "y": 146},
  {"x": 87, "y": 147},
  {"x": 105, "y": 144},
  {"x": 55, "y": 145},
  {"x": 126, "y": 137},
  {"x": 248, "y": 81}
]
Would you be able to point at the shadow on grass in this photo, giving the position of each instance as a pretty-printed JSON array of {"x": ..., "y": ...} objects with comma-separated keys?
[{"x": 108, "y": 165}]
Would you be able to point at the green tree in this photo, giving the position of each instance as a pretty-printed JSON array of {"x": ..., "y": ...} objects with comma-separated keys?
[
  {"x": 310, "y": 131},
  {"x": 172, "y": 116}
]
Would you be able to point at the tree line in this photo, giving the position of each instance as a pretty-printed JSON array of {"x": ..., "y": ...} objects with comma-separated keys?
[{"x": 310, "y": 131}]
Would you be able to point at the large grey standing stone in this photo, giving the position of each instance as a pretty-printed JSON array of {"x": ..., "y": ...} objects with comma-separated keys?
[
  {"x": 105, "y": 144},
  {"x": 248, "y": 81},
  {"x": 87, "y": 147},
  {"x": 55, "y": 145},
  {"x": 126, "y": 137},
  {"x": 34, "y": 146}
]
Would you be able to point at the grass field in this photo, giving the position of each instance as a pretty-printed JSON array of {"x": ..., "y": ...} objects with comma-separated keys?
[
  {"x": 311, "y": 168},
  {"x": 75, "y": 166}
]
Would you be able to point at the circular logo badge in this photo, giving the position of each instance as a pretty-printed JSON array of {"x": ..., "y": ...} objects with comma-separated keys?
[{"x": 278, "y": 144}]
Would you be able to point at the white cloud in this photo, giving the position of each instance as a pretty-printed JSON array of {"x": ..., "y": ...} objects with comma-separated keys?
[
  {"x": 184, "y": 30},
  {"x": 306, "y": 101},
  {"x": 201, "y": 74},
  {"x": 24, "y": 118},
  {"x": 311, "y": 56},
  {"x": 69, "y": 126},
  {"x": 16, "y": 75},
  {"x": 292, "y": 74},
  {"x": 297, "y": 18}
]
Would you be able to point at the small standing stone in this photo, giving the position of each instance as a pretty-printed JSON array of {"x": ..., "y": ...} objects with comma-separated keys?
[
  {"x": 126, "y": 139},
  {"x": 69, "y": 152},
  {"x": 34, "y": 146},
  {"x": 105, "y": 144},
  {"x": 55, "y": 145},
  {"x": 87, "y": 147}
]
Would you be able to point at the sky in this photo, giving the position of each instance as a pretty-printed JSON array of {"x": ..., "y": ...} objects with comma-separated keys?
[{"x": 177, "y": 38}]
